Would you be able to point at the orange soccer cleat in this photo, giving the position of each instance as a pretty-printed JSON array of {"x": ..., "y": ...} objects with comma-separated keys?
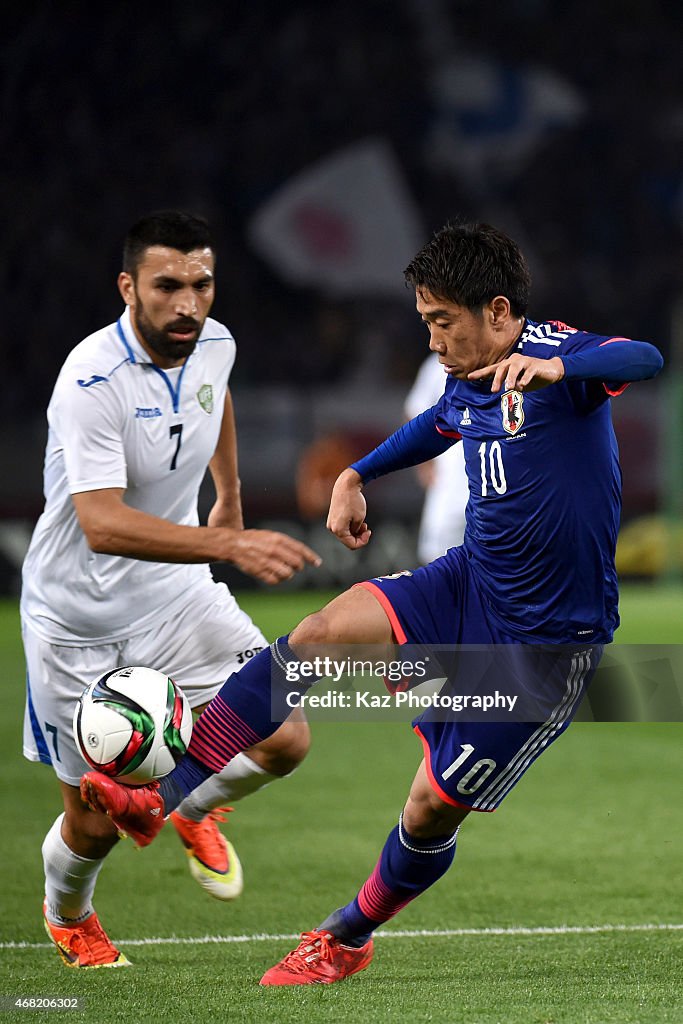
[
  {"x": 213, "y": 861},
  {"x": 85, "y": 944},
  {"x": 319, "y": 959},
  {"x": 137, "y": 811}
]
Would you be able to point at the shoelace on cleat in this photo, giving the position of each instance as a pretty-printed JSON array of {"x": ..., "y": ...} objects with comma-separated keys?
[
  {"x": 314, "y": 946},
  {"x": 219, "y": 813},
  {"x": 206, "y": 831},
  {"x": 92, "y": 940}
]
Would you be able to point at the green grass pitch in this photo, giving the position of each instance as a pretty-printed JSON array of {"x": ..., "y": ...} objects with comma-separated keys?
[{"x": 542, "y": 919}]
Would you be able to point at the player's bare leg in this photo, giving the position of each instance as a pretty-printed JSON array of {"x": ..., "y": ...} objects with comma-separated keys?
[
  {"x": 355, "y": 617},
  {"x": 73, "y": 854},
  {"x": 425, "y": 814},
  {"x": 416, "y": 854}
]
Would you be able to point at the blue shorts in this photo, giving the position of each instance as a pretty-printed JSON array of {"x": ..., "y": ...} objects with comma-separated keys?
[{"x": 475, "y": 764}]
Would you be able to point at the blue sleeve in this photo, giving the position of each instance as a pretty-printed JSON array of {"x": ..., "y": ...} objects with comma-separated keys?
[
  {"x": 416, "y": 441},
  {"x": 613, "y": 361}
]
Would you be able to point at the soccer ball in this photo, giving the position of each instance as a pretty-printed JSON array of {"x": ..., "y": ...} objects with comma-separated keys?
[{"x": 134, "y": 723}]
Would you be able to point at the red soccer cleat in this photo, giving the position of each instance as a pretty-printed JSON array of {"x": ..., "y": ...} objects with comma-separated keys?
[
  {"x": 137, "y": 811},
  {"x": 319, "y": 959}
]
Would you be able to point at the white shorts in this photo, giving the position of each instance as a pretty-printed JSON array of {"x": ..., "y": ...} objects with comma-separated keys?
[{"x": 199, "y": 648}]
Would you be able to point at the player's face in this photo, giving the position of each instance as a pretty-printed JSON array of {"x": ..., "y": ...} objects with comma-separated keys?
[
  {"x": 466, "y": 340},
  {"x": 169, "y": 299}
]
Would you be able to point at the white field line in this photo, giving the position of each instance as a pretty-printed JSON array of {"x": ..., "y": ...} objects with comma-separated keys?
[{"x": 207, "y": 940}]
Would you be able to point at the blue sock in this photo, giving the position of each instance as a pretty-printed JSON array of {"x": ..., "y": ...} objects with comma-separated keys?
[
  {"x": 407, "y": 867},
  {"x": 186, "y": 776}
]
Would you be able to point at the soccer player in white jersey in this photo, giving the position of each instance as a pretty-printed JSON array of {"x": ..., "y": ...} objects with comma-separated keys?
[
  {"x": 117, "y": 571},
  {"x": 442, "y": 524}
]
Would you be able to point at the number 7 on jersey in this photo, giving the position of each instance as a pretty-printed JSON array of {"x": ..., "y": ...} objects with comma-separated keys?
[{"x": 176, "y": 431}]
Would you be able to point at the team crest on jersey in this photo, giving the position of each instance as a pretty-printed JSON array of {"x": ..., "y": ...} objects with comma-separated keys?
[
  {"x": 513, "y": 414},
  {"x": 205, "y": 398}
]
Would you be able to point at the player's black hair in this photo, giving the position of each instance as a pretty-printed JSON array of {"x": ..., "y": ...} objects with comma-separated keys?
[
  {"x": 469, "y": 264},
  {"x": 172, "y": 228}
]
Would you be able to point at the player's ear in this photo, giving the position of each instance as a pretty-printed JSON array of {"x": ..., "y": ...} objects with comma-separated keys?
[
  {"x": 498, "y": 310},
  {"x": 126, "y": 287}
]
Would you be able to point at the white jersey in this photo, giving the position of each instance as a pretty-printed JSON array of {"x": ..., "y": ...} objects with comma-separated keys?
[
  {"x": 117, "y": 420},
  {"x": 443, "y": 516}
]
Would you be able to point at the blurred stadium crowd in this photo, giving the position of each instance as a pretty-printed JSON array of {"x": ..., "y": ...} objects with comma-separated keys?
[
  {"x": 110, "y": 114},
  {"x": 560, "y": 122}
]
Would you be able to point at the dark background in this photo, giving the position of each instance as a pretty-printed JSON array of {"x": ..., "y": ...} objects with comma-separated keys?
[{"x": 211, "y": 107}]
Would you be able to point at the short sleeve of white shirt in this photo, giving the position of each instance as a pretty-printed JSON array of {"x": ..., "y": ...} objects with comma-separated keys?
[{"x": 90, "y": 431}]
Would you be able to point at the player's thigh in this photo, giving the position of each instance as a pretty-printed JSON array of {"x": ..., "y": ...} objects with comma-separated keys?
[
  {"x": 354, "y": 617},
  {"x": 199, "y": 648},
  {"x": 56, "y": 676}
]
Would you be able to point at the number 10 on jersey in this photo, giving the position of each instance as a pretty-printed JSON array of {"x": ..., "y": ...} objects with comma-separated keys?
[{"x": 492, "y": 469}]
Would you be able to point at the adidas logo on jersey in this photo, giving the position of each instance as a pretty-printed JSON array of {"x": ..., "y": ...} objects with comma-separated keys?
[{"x": 466, "y": 421}]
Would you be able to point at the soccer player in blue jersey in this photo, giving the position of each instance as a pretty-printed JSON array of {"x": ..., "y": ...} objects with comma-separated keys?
[{"x": 535, "y": 575}]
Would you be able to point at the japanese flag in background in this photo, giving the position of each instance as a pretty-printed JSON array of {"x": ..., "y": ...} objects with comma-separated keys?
[{"x": 346, "y": 224}]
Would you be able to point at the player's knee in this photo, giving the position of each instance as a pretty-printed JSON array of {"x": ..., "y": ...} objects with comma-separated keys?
[
  {"x": 314, "y": 629},
  {"x": 427, "y": 815},
  {"x": 355, "y": 617}
]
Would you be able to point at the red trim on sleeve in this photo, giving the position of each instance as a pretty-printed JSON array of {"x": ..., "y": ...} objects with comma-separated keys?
[
  {"x": 619, "y": 391},
  {"x": 449, "y": 433},
  {"x": 435, "y": 785},
  {"x": 388, "y": 608}
]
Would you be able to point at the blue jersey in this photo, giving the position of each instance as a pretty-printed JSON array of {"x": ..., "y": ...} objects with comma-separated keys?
[{"x": 545, "y": 495}]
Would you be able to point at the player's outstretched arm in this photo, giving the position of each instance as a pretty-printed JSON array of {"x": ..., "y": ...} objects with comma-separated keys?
[
  {"x": 346, "y": 518},
  {"x": 111, "y": 527},
  {"x": 618, "y": 360}
]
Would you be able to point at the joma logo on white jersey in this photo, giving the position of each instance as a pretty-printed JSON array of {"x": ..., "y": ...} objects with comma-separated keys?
[{"x": 142, "y": 413}]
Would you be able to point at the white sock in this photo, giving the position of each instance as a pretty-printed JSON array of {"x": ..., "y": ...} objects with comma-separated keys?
[
  {"x": 69, "y": 879},
  {"x": 240, "y": 778}
]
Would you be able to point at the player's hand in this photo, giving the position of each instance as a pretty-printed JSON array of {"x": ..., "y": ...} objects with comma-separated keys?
[
  {"x": 270, "y": 556},
  {"x": 346, "y": 518},
  {"x": 521, "y": 373}
]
